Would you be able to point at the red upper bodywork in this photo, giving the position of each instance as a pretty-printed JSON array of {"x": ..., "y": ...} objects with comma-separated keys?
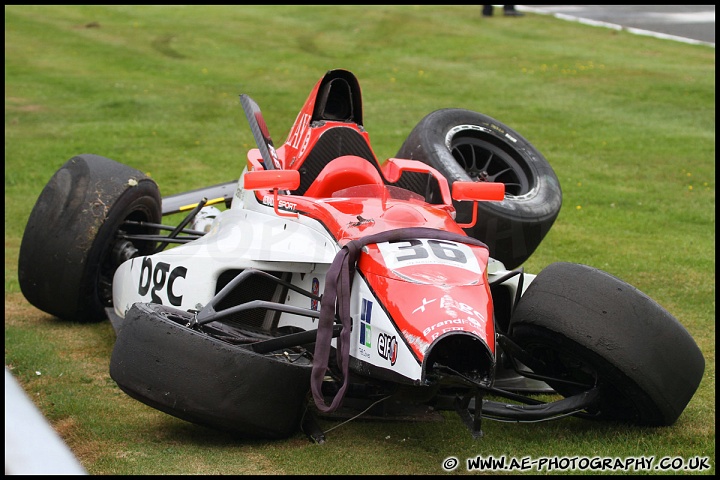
[
  {"x": 343, "y": 186},
  {"x": 334, "y": 102}
]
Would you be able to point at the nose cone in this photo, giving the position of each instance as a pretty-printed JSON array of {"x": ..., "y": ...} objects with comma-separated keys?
[
  {"x": 425, "y": 313},
  {"x": 431, "y": 289}
]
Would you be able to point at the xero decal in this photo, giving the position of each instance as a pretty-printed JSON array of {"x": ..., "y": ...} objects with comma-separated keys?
[{"x": 158, "y": 278}]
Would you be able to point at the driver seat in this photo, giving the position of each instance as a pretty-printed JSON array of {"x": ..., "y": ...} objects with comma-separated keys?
[{"x": 337, "y": 120}]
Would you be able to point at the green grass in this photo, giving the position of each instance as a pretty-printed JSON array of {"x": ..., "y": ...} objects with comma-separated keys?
[{"x": 627, "y": 122}]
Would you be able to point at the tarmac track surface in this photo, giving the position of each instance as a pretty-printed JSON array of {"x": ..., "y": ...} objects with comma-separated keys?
[{"x": 693, "y": 24}]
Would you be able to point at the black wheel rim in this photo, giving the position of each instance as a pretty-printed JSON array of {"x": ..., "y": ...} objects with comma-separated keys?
[
  {"x": 111, "y": 261},
  {"x": 486, "y": 162},
  {"x": 568, "y": 367}
]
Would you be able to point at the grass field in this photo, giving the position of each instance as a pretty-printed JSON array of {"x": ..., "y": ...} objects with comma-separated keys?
[{"x": 627, "y": 122}]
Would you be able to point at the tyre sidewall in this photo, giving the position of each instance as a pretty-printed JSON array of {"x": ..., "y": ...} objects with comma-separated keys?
[
  {"x": 70, "y": 231},
  {"x": 514, "y": 227},
  {"x": 191, "y": 375},
  {"x": 639, "y": 350}
]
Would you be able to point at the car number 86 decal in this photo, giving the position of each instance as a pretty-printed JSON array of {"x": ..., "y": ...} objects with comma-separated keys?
[{"x": 428, "y": 252}]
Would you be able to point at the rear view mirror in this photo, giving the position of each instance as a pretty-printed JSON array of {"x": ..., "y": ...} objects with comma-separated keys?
[
  {"x": 482, "y": 191},
  {"x": 272, "y": 179},
  {"x": 477, "y": 191}
]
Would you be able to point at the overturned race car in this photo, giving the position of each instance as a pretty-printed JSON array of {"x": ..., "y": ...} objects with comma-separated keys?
[{"x": 329, "y": 284}]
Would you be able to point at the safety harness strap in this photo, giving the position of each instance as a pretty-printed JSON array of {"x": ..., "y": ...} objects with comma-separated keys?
[{"x": 336, "y": 299}]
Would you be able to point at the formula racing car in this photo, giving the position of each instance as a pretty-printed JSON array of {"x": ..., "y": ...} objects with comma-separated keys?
[{"x": 324, "y": 283}]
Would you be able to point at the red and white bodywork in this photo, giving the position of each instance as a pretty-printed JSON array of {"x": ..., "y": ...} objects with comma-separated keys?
[{"x": 407, "y": 296}]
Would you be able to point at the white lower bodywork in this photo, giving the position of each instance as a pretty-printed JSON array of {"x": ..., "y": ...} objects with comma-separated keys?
[
  {"x": 251, "y": 235},
  {"x": 247, "y": 235}
]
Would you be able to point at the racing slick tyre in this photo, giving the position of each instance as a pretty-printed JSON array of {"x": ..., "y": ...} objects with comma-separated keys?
[
  {"x": 469, "y": 146},
  {"x": 591, "y": 328},
  {"x": 70, "y": 250},
  {"x": 158, "y": 360}
]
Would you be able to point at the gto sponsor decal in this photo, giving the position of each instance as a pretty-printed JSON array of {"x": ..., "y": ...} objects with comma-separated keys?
[
  {"x": 365, "y": 329},
  {"x": 405, "y": 253},
  {"x": 284, "y": 204},
  {"x": 158, "y": 278},
  {"x": 387, "y": 345}
]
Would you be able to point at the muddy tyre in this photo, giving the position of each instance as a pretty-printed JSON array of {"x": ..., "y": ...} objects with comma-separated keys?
[
  {"x": 591, "y": 328},
  {"x": 191, "y": 375},
  {"x": 70, "y": 250},
  {"x": 469, "y": 146}
]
